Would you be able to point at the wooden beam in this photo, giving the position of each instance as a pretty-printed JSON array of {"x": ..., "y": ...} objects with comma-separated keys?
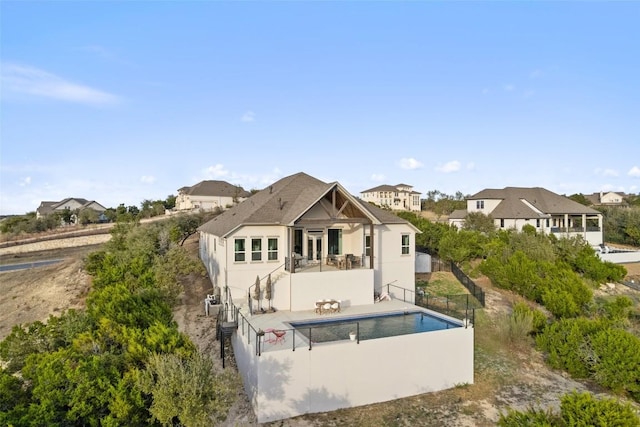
[
  {"x": 329, "y": 221},
  {"x": 344, "y": 205}
]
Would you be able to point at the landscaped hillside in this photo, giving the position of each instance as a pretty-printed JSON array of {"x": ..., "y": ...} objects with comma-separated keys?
[{"x": 510, "y": 372}]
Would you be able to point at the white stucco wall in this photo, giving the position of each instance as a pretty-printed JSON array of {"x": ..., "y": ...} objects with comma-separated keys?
[
  {"x": 391, "y": 265},
  {"x": 352, "y": 287},
  {"x": 342, "y": 374}
]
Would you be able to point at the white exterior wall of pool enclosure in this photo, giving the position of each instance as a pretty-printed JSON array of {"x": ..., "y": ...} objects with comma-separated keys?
[{"x": 284, "y": 383}]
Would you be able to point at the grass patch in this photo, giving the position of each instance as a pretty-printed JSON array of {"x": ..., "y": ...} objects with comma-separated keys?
[{"x": 442, "y": 283}]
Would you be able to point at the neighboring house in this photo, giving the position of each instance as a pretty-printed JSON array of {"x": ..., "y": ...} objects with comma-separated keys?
[
  {"x": 547, "y": 212},
  {"x": 73, "y": 204},
  {"x": 209, "y": 195},
  {"x": 399, "y": 197},
  {"x": 602, "y": 199},
  {"x": 313, "y": 241}
]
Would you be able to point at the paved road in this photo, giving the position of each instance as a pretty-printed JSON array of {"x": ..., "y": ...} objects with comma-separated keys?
[{"x": 26, "y": 265}]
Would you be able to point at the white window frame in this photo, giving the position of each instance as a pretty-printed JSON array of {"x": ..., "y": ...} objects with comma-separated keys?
[
  {"x": 256, "y": 255},
  {"x": 405, "y": 246},
  {"x": 272, "y": 254},
  {"x": 239, "y": 255},
  {"x": 367, "y": 247}
]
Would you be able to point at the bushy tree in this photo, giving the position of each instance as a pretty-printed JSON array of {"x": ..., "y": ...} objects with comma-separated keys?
[
  {"x": 187, "y": 391},
  {"x": 477, "y": 221}
]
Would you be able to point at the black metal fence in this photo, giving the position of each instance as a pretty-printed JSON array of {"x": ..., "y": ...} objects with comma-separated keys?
[
  {"x": 474, "y": 289},
  {"x": 458, "y": 306},
  {"x": 439, "y": 265}
]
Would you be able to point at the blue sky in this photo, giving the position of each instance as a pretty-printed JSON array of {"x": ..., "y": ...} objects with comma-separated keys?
[{"x": 124, "y": 101}]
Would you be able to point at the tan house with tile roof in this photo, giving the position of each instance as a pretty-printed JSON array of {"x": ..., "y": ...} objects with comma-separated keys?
[
  {"x": 547, "y": 212},
  {"x": 399, "y": 197},
  {"x": 209, "y": 195}
]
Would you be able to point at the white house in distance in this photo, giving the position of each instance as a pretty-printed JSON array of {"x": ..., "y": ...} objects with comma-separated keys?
[
  {"x": 547, "y": 212},
  {"x": 70, "y": 203},
  {"x": 209, "y": 195},
  {"x": 609, "y": 198},
  {"x": 399, "y": 197},
  {"x": 327, "y": 256}
]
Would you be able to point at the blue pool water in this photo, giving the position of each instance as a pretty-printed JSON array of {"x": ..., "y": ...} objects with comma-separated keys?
[{"x": 372, "y": 326}]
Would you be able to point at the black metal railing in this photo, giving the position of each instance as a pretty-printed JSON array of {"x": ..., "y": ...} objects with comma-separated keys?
[
  {"x": 475, "y": 290},
  {"x": 394, "y": 291},
  {"x": 328, "y": 263},
  {"x": 461, "y": 307},
  {"x": 252, "y": 287}
]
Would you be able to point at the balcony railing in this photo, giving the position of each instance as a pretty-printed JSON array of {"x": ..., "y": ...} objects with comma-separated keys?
[
  {"x": 575, "y": 229},
  {"x": 328, "y": 263}
]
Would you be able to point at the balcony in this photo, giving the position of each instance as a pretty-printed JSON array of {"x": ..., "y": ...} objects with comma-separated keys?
[{"x": 326, "y": 264}]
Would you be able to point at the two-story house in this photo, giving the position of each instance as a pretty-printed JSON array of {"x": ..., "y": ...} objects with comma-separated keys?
[
  {"x": 209, "y": 195},
  {"x": 399, "y": 197},
  {"x": 303, "y": 251},
  {"x": 547, "y": 212}
]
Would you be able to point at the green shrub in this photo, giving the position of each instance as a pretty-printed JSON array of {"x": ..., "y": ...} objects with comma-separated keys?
[
  {"x": 565, "y": 343},
  {"x": 617, "y": 360},
  {"x": 529, "y": 418},
  {"x": 582, "y": 409}
]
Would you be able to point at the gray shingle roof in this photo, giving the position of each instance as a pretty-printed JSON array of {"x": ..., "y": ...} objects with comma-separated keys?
[
  {"x": 547, "y": 202},
  {"x": 215, "y": 188},
  {"x": 283, "y": 202}
]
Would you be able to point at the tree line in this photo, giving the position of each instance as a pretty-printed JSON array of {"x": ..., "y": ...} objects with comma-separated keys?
[
  {"x": 121, "y": 361},
  {"x": 30, "y": 223}
]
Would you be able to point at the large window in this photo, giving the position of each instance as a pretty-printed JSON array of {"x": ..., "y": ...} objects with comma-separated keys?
[
  {"x": 256, "y": 249},
  {"x": 367, "y": 245},
  {"x": 405, "y": 244},
  {"x": 239, "y": 250},
  {"x": 272, "y": 249},
  {"x": 335, "y": 241}
]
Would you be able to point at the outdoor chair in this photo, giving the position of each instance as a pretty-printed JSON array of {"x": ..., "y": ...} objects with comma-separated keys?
[{"x": 279, "y": 335}]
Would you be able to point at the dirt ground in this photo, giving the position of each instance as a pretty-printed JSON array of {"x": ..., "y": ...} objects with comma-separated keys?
[{"x": 516, "y": 378}]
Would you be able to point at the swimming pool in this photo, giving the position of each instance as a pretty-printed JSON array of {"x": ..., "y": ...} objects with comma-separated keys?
[{"x": 372, "y": 326}]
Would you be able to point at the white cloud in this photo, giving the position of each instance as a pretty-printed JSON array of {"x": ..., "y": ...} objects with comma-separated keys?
[
  {"x": 148, "y": 179},
  {"x": 452, "y": 166},
  {"x": 410, "y": 163},
  {"x": 216, "y": 171},
  {"x": 25, "y": 181},
  {"x": 471, "y": 166},
  {"x": 528, "y": 93},
  {"x": 485, "y": 91},
  {"x": 634, "y": 172},
  {"x": 377, "y": 177},
  {"x": 509, "y": 87},
  {"x": 36, "y": 82},
  {"x": 248, "y": 116},
  {"x": 607, "y": 172}
]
